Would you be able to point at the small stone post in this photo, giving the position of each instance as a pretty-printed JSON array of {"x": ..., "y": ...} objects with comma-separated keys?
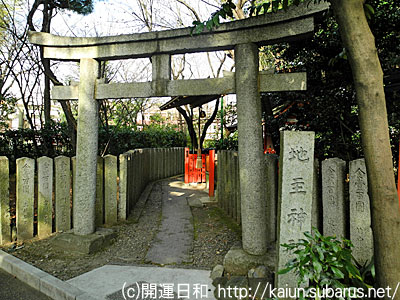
[
  {"x": 316, "y": 219},
  {"x": 45, "y": 196},
  {"x": 334, "y": 207},
  {"x": 25, "y": 197},
  {"x": 237, "y": 189},
  {"x": 135, "y": 183},
  {"x": 234, "y": 174},
  {"x": 123, "y": 185},
  {"x": 296, "y": 170},
  {"x": 271, "y": 193},
  {"x": 130, "y": 186},
  {"x": 99, "y": 206},
  {"x": 5, "y": 229},
  {"x": 110, "y": 189},
  {"x": 87, "y": 147},
  {"x": 360, "y": 214},
  {"x": 221, "y": 179},
  {"x": 73, "y": 163},
  {"x": 63, "y": 186},
  {"x": 252, "y": 174}
]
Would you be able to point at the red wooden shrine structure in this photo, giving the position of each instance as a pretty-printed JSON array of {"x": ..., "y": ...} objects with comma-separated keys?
[{"x": 203, "y": 175}]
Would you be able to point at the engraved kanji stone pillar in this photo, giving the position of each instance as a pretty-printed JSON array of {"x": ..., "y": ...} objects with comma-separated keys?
[
  {"x": 296, "y": 169},
  {"x": 360, "y": 212}
]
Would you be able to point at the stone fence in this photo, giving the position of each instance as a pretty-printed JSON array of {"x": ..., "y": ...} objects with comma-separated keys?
[
  {"x": 42, "y": 201},
  {"x": 340, "y": 202}
]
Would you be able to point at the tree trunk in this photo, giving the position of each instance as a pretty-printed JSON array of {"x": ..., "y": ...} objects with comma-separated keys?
[
  {"x": 189, "y": 122},
  {"x": 368, "y": 81},
  {"x": 49, "y": 75},
  {"x": 47, "y": 16},
  {"x": 72, "y": 126},
  {"x": 46, "y": 97},
  {"x": 208, "y": 123}
]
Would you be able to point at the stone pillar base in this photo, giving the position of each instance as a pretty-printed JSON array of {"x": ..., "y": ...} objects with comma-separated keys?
[
  {"x": 237, "y": 262},
  {"x": 84, "y": 244}
]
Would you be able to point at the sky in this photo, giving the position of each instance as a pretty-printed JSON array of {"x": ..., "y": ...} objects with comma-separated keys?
[{"x": 115, "y": 17}]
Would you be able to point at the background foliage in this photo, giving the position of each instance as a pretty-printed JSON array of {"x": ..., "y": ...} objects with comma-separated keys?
[
  {"x": 329, "y": 107},
  {"x": 54, "y": 140}
]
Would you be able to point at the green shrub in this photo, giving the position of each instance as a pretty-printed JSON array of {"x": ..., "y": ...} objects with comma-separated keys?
[
  {"x": 327, "y": 262},
  {"x": 119, "y": 140},
  {"x": 228, "y": 143},
  {"x": 53, "y": 140}
]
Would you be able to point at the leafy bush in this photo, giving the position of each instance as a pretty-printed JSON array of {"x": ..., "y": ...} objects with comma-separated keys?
[
  {"x": 54, "y": 140},
  {"x": 50, "y": 141},
  {"x": 327, "y": 262},
  {"x": 119, "y": 140},
  {"x": 229, "y": 143}
]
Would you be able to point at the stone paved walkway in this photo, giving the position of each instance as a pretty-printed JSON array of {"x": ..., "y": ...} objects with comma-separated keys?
[
  {"x": 174, "y": 242},
  {"x": 172, "y": 245},
  {"x": 112, "y": 282}
]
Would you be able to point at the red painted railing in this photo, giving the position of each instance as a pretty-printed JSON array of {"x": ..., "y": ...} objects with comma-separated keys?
[{"x": 192, "y": 174}]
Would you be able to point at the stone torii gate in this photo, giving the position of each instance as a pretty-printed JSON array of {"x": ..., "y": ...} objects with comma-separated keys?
[{"x": 244, "y": 36}]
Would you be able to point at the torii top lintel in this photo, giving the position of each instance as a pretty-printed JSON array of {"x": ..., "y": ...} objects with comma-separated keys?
[{"x": 295, "y": 23}]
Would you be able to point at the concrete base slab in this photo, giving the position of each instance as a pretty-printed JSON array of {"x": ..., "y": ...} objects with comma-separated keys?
[
  {"x": 238, "y": 262},
  {"x": 115, "y": 282},
  {"x": 84, "y": 244}
]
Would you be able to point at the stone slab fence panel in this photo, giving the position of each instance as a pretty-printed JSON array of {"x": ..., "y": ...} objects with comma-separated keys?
[
  {"x": 45, "y": 187},
  {"x": 340, "y": 202},
  {"x": 45, "y": 196},
  {"x": 5, "y": 228},
  {"x": 62, "y": 193},
  {"x": 25, "y": 196}
]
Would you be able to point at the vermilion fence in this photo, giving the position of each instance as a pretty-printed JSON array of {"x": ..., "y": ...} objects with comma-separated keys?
[{"x": 195, "y": 175}]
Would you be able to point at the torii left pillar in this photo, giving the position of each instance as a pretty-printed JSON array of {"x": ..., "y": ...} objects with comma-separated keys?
[
  {"x": 252, "y": 172},
  {"x": 238, "y": 261},
  {"x": 86, "y": 150}
]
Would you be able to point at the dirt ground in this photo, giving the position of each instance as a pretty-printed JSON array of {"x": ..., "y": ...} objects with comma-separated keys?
[{"x": 214, "y": 234}]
